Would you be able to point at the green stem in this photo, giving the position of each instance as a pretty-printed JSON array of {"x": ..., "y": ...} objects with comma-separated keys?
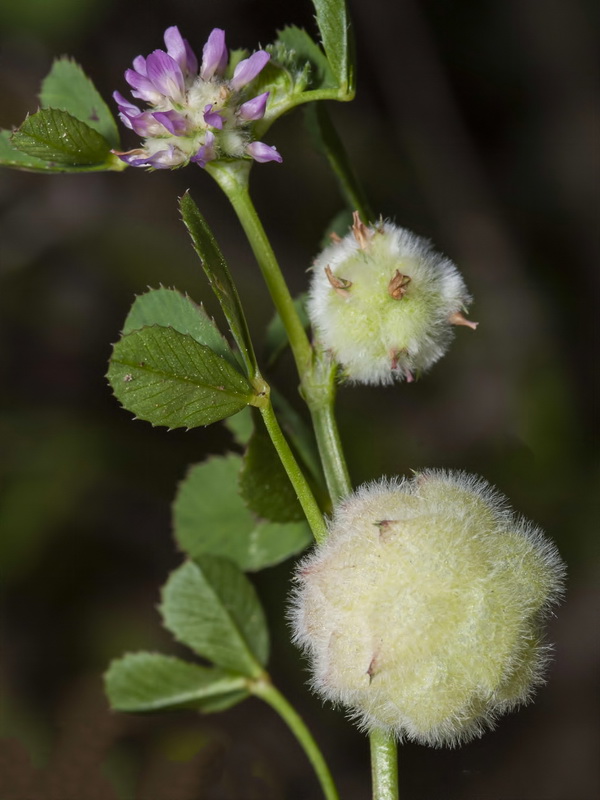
[
  {"x": 318, "y": 390},
  {"x": 307, "y": 500},
  {"x": 233, "y": 180},
  {"x": 317, "y": 379},
  {"x": 286, "y": 104},
  {"x": 384, "y": 766},
  {"x": 267, "y": 692},
  {"x": 332, "y": 458},
  {"x": 317, "y": 376}
]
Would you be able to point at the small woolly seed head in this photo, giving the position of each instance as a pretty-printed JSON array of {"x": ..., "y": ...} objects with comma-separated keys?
[
  {"x": 384, "y": 302},
  {"x": 422, "y": 611}
]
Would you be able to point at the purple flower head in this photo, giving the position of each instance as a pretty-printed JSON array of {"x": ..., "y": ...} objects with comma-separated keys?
[{"x": 193, "y": 116}]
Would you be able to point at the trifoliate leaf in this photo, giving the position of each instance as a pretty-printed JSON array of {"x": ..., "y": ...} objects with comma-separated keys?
[
  {"x": 209, "y": 605},
  {"x": 170, "y": 308},
  {"x": 68, "y": 88},
  {"x": 167, "y": 378},
  {"x": 209, "y": 516},
  {"x": 153, "y": 682},
  {"x": 56, "y": 136},
  {"x": 220, "y": 279}
]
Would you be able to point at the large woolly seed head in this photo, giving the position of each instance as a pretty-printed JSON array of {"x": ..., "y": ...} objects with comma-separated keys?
[
  {"x": 384, "y": 302},
  {"x": 422, "y": 611}
]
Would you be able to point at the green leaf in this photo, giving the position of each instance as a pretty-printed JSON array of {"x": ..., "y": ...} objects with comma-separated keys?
[
  {"x": 68, "y": 88},
  {"x": 305, "y": 50},
  {"x": 264, "y": 484},
  {"x": 167, "y": 378},
  {"x": 334, "y": 23},
  {"x": 274, "y": 542},
  {"x": 59, "y": 138},
  {"x": 211, "y": 606},
  {"x": 209, "y": 516},
  {"x": 170, "y": 308},
  {"x": 11, "y": 157},
  {"x": 220, "y": 279},
  {"x": 153, "y": 682}
]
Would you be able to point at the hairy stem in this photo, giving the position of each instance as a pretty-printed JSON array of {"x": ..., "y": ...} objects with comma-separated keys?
[
  {"x": 267, "y": 692},
  {"x": 384, "y": 766}
]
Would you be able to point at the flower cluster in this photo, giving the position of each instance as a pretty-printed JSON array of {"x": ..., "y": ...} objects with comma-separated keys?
[
  {"x": 196, "y": 116},
  {"x": 421, "y": 612},
  {"x": 384, "y": 303}
]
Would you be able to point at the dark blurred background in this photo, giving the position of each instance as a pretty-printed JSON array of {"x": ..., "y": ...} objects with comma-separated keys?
[{"x": 475, "y": 124}]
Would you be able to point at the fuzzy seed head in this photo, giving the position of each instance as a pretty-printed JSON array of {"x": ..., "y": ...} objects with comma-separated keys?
[
  {"x": 422, "y": 611},
  {"x": 384, "y": 302}
]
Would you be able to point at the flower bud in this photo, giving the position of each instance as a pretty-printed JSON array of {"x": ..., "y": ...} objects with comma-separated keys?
[
  {"x": 422, "y": 611},
  {"x": 384, "y": 302}
]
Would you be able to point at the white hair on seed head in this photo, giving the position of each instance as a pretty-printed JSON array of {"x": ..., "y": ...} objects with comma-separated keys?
[
  {"x": 422, "y": 611},
  {"x": 385, "y": 302}
]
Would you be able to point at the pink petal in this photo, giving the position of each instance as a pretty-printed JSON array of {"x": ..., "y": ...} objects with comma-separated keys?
[
  {"x": 214, "y": 55},
  {"x": 262, "y": 153},
  {"x": 255, "y": 108},
  {"x": 249, "y": 68}
]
